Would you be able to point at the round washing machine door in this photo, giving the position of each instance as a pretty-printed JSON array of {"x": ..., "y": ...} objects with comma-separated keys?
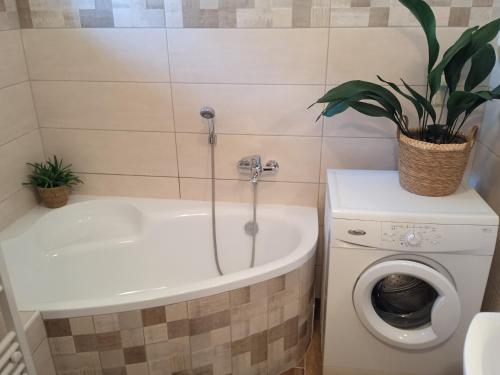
[{"x": 407, "y": 304}]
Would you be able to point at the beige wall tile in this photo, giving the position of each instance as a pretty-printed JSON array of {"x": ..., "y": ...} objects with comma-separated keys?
[
  {"x": 490, "y": 129},
  {"x": 116, "y": 152},
  {"x": 177, "y": 311},
  {"x": 485, "y": 176},
  {"x": 358, "y": 153},
  {"x": 97, "y": 54},
  {"x": 268, "y": 56},
  {"x": 104, "y": 105},
  {"x": 249, "y": 109},
  {"x": 205, "y": 306},
  {"x": 106, "y": 323},
  {"x": 17, "y": 114},
  {"x": 82, "y": 326},
  {"x": 298, "y": 156},
  {"x": 393, "y": 53},
  {"x": 12, "y": 65},
  {"x": 271, "y": 192},
  {"x": 43, "y": 360},
  {"x": 16, "y": 205},
  {"x": 62, "y": 345},
  {"x": 129, "y": 186},
  {"x": 13, "y": 158}
]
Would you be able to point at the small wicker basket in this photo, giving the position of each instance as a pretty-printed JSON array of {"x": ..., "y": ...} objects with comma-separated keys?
[
  {"x": 54, "y": 197},
  {"x": 430, "y": 169}
]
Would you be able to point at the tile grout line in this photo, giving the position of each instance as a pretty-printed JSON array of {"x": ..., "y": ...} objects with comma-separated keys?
[
  {"x": 195, "y": 178},
  {"x": 14, "y": 84},
  {"x": 35, "y": 109},
  {"x": 19, "y": 136},
  {"x": 215, "y": 83},
  {"x": 240, "y": 28},
  {"x": 221, "y": 134},
  {"x": 173, "y": 109},
  {"x": 318, "y": 197}
]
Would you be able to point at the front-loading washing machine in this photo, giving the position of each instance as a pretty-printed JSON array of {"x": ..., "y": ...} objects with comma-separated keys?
[{"x": 403, "y": 275}]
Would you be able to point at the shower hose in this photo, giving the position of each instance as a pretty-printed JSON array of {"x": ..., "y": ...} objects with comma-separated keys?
[{"x": 214, "y": 221}]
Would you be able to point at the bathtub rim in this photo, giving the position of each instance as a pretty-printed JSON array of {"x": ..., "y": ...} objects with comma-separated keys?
[{"x": 190, "y": 291}]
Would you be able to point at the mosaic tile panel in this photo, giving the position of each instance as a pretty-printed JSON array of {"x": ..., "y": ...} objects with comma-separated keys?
[
  {"x": 264, "y": 328},
  {"x": 91, "y": 13},
  {"x": 9, "y": 19},
  {"x": 390, "y": 13},
  {"x": 247, "y": 13},
  {"x": 240, "y": 13}
]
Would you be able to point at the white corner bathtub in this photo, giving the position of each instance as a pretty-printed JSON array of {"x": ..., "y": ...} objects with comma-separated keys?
[{"x": 103, "y": 255}]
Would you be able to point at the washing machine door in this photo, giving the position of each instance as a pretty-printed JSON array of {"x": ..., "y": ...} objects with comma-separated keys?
[{"x": 407, "y": 304}]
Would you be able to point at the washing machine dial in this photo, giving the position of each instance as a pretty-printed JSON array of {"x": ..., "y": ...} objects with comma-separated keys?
[{"x": 413, "y": 239}]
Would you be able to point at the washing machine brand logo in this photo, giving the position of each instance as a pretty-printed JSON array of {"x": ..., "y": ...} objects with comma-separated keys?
[{"x": 356, "y": 232}]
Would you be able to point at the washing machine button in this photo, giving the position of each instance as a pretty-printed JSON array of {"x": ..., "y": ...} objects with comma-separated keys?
[{"x": 413, "y": 239}]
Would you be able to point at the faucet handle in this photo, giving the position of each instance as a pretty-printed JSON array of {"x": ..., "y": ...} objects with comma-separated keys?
[
  {"x": 272, "y": 167},
  {"x": 249, "y": 163}
]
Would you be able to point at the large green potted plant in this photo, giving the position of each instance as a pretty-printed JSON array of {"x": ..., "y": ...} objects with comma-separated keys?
[
  {"x": 433, "y": 152},
  {"x": 53, "y": 181}
]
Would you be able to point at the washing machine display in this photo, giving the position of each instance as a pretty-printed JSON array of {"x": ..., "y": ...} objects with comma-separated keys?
[{"x": 407, "y": 303}]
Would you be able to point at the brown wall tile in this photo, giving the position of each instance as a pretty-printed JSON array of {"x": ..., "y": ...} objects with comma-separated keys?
[
  {"x": 112, "y": 358},
  {"x": 135, "y": 354},
  {"x": 152, "y": 316},
  {"x": 57, "y": 327},
  {"x": 178, "y": 328},
  {"x": 459, "y": 17},
  {"x": 240, "y": 296},
  {"x": 85, "y": 343},
  {"x": 114, "y": 371},
  {"x": 209, "y": 322},
  {"x": 109, "y": 341},
  {"x": 379, "y": 17}
]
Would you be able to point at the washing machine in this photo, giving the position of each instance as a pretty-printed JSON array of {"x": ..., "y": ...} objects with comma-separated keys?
[{"x": 403, "y": 275}]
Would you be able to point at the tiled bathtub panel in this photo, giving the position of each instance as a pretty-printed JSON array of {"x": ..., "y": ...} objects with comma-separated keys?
[{"x": 260, "y": 329}]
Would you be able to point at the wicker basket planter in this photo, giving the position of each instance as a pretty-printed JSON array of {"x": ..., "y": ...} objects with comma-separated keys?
[
  {"x": 54, "y": 197},
  {"x": 430, "y": 169}
]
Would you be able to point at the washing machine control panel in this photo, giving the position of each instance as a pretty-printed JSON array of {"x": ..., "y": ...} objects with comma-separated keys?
[{"x": 410, "y": 235}]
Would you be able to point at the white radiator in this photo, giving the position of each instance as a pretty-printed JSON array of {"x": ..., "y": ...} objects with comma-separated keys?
[{"x": 15, "y": 355}]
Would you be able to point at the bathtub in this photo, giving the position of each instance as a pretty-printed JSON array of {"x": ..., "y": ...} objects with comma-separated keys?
[{"x": 137, "y": 277}]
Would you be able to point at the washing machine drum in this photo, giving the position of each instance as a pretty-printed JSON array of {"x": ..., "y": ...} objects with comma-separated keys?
[{"x": 407, "y": 303}]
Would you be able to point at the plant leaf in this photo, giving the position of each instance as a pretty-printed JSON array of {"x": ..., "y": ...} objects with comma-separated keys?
[
  {"x": 480, "y": 38},
  {"x": 424, "y": 15},
  {"x": 51, "y": 173},
  {"x": 360, "y": 89},
  {"x": 434, "y": 77},
  {"x": 372, "y": 110},
  {"x": 416, "y": 104},
  {"x": 465, "y": 102},
  {"x": 423, "y": 101},
  {"x": 483, "y": 62}
]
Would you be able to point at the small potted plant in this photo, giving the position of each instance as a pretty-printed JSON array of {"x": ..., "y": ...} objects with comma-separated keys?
[
  {"x": 53, "y": 181},
  {"x": 433, "y": 154}
]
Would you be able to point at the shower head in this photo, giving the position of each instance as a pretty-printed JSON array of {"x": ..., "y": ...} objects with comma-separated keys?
[{"x": 207, "y": 112}]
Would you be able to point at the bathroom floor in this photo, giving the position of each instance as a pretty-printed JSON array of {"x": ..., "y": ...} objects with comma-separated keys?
[{"x": 311, "y": 364}]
